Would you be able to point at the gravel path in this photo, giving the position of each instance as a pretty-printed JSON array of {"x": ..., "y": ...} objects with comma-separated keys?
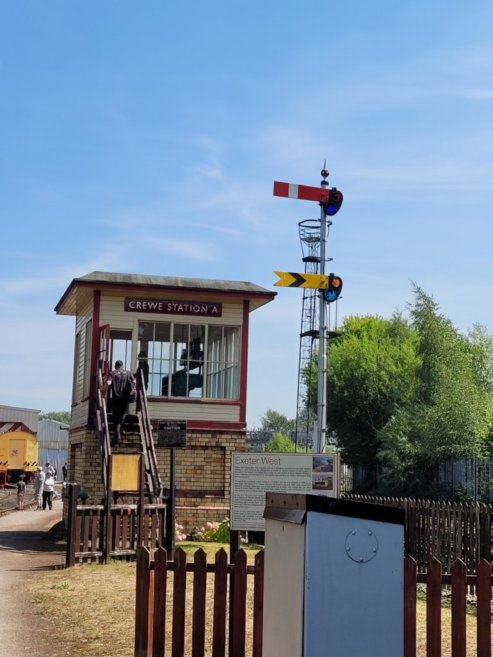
[{"x": 26, "y": 547}]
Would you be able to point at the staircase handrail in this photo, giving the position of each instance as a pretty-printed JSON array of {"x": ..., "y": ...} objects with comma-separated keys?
[
  {"x": 103, "y": 427},
  {"x": 147, "y": 437}
]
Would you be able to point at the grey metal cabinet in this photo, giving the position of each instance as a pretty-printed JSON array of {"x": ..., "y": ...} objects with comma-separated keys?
[{"x": 334, "y": 578}]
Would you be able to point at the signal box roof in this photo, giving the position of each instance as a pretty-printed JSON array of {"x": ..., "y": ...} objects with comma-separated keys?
[{"x": 80, "y": 288}]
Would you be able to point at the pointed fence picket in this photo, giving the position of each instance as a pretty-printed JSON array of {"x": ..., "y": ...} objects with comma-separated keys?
[
  {"x": 234, "y": 617},
  {"x": 227, "y": 612},
  {"x": 445, "y": 530}
]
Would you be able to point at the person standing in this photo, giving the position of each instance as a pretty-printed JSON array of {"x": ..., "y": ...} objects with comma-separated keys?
[
  {"x": 21, "y": 491},
  {"x": 64, "y": 471},
  {"x": 38, "y": 486},
  {"x": 48, "y": 490},
  {"x": 120, "y": 383}
]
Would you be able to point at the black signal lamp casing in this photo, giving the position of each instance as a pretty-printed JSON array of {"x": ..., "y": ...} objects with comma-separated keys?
[
  {"x": 334, "y": 289},
  {"x": 333, "y": 205}
]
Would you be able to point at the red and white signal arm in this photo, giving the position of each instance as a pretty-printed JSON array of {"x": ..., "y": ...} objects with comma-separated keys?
[{"x": 301, "y": 192}]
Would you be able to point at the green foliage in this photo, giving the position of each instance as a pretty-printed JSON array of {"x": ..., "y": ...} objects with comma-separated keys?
[
  {"x": 58, "y": 416},
  {"x": 404, "y": 395},
  {"x": 274, "y": 421},
  {"x": 372, "y": 374},
  {"x": 280, "y": 443},
  {"x": 61, "y": 586},
  {"x": 480, "y": 346},
  {"x": 452, "y": 413},
  {"x": 212, "y": 532}
]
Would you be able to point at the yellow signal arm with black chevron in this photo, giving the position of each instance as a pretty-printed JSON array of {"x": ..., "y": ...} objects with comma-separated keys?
[{"x": 293, "y": 279}]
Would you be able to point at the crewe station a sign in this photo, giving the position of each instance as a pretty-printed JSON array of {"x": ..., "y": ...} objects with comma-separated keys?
[{"x": 170, "y": 307}]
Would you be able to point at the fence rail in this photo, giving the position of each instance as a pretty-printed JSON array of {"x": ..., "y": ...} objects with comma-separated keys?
[
  {"x": 458, "y": 581},
  {"x": 129, "y": 525},
  {"x": 228, "y": 610},
  {"x": 232, "y": 620},
  {"x": 446, "y": 531}
]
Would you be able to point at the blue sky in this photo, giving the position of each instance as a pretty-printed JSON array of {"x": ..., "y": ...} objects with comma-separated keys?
[{"x": 145, "y": 137}]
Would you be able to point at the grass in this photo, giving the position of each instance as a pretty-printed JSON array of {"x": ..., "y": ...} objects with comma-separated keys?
[
  {"x": 90, "y": 609},
  {"x": 446, "y": 628}
]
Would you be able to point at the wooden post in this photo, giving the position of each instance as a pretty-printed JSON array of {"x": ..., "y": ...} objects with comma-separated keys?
[
  {"x": 220, "y": 603},
  {"x": 170, "y": 507},
  {"x": 143, "y": 604},
  {"x": 107, "y": 513},
  {"x": 159, "y": 602},
  {"x": 234, "y": 546},
  {"x": 258, "y": 605},
  {"x": 72, "y": 538},
  {"x": 239, "y": 577},
  {"x": 141, "y": 527}
]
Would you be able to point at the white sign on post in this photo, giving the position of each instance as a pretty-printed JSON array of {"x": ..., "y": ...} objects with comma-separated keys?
[{"x": 253, "y": 474}]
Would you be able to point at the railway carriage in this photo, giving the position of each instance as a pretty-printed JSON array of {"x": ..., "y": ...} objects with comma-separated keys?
[{"x": 18, "y": 452}]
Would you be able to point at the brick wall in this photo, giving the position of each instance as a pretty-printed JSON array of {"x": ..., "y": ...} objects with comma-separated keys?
[{"x": 202, "y": 473}]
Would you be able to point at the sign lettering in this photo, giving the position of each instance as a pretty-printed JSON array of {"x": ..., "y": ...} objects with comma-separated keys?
[{"x": 169, "y": 307}]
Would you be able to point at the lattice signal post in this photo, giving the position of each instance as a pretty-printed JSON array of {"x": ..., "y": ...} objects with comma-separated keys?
[{"x": 330, "y": 201}]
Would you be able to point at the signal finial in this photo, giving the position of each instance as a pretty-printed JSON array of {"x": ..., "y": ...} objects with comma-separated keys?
[{"x": 325, "y": 174}]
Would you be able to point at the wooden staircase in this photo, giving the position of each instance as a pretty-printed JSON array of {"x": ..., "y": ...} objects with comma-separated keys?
[{"x": 137, "y": 439}]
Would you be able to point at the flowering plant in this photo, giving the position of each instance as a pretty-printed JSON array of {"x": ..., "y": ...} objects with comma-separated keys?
[
  {"x": 179, "y": 534},
  {"x": 213, "y": 532}
]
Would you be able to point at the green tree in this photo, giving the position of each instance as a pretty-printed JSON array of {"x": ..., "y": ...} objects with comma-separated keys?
[
  {"x": 59, "y": 416},
  {"x": 371, "y": 376},
  {"x": 452, "y": 412},
  {"x": 404, "y": 395},
  {"x": 274, "y": 421},
  {"x": 280, "y": 443},
  {"x": 481, "y": 349}
]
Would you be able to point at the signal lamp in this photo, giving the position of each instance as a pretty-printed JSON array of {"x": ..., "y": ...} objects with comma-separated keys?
[
  {"x": 334, "y": 288},
  {"x": 333, "y": 205}
]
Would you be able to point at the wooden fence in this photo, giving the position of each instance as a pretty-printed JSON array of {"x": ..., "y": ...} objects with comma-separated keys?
[
  {"x": 458, "y": 581},
  {"x": 232, "y": 620},
  {"x": 443, "y": 530},
  {"x": 129, "y": 526},
  {"x": 223, "y": 612}
]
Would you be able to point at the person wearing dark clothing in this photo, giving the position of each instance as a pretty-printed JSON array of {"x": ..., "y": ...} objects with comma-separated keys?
[
  {"x": 64, "y": 471},
  {"x": 21, "y": 490},
  {"x": 120, "y": 384}
]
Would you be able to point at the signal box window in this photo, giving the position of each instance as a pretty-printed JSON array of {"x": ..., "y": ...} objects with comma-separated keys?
[
  {"x": 177, "y": 366},
  {"x": 222, "y": 362}
]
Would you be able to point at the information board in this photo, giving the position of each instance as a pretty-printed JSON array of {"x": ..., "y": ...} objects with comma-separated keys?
[
  {"x": 253, "y": 474},
  {"x": 172, "y": 433}
]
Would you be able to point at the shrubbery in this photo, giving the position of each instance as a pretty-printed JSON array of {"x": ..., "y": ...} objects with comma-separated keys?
[{"x": 212, "y": 532}]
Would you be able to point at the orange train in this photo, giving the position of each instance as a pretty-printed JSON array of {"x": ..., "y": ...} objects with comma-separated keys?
[{"x": 18, "y": 452}]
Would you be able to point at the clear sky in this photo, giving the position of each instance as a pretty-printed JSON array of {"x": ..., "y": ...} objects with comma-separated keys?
[{"x": 144, "y": 137}]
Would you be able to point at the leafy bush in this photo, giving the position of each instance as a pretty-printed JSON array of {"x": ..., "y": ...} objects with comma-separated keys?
[
  {"x": 212, "y": 532},
  {"x": 280, "y": 443}
]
